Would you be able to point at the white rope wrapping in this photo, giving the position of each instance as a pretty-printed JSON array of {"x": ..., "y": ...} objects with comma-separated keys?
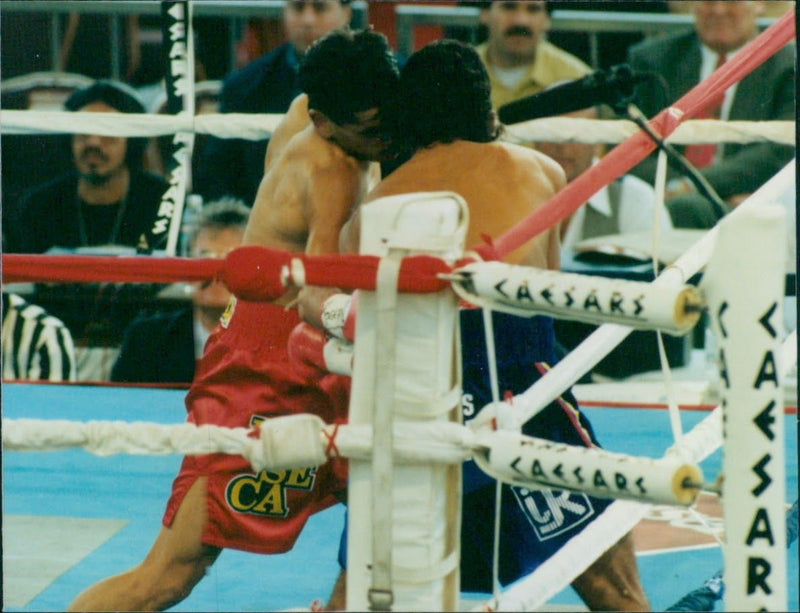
[
  {"x": 415, "y": 443},
  {"x": 523, "y": 290},
  {"x": 260, "y": 126},
  {"x": 304, "y": 440}
]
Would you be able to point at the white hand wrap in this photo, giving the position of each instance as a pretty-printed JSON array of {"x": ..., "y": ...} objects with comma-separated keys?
[{"x": 339, "y": 315}]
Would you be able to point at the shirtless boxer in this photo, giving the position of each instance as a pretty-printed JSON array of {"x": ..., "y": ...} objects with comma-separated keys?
[
  {"x": 447, "y": 132},
  {"x": 308, "y": 192}
]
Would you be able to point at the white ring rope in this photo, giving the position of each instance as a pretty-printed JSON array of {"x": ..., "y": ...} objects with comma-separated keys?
[
  {"x": 283, "y": 442},
  {"x": 260, "y": 126},
  {"x": 227, "y": 125},
  {"x": 305, "y": 440},
  {"x": 581, "y": 130}
]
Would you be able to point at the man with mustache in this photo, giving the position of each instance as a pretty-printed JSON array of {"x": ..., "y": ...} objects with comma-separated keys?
[
  {"x": 107, "y": 199},
  {"x": 519, "y": 60}
]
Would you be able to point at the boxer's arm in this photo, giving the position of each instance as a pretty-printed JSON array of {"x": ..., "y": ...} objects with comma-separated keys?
[{"x": 331, "y": 196}]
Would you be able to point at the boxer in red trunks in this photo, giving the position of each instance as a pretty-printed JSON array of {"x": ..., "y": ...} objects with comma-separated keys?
[{"x": 308, "y": 191}]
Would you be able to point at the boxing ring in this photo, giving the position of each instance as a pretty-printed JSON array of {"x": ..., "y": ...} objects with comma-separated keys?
[
  {"x": 121, "y": 514},
  {"x": 74, "y": 496}
]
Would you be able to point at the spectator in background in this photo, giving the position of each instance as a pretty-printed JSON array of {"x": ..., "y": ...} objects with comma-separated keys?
[
  {"x": 164, "y": 347},
  {"x": 107, "y": 199},
  {"x": 611, "y": 46},
  {"x": 767, "y": 93},
  {"x": 35, "y": 345},
  {"x": 519, "y": 60},
  {"x": 267, "y": 85},
  {"x": 625, "y": 205}
]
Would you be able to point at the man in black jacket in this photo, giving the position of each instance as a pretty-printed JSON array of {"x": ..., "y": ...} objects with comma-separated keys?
[
  {"x": 107, "y": 199},
  {"x": 164, "y": 347},
  {"x": 721, "y": 29},
  {"x": 267, "y": 85}
]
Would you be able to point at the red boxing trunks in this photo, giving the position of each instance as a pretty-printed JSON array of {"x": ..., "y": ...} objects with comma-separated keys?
[{"x": 244, "y": 377}]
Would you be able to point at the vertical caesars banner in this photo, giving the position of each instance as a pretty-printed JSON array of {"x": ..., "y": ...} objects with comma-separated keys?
[
  {"x": 179, "y": 82},
  {"x": 744, "y": 285}
]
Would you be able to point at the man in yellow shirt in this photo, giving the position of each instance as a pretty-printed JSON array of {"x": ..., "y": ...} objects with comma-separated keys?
[{"x": 519, "y": 60}]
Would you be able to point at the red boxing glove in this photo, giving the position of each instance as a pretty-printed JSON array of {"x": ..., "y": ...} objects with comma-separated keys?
[
  {"x": 307, "y": 352},
  {"x": 254, "y": 273},
  {"x": 338, "y": 315}
]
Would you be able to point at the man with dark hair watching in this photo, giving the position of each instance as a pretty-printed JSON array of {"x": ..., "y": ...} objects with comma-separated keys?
[
  {"x": 447, "y": 133},
  {"x": 108, "y": 199},
  {"x": 266, "y": 85},
  {"x": 244, "y": 375}
]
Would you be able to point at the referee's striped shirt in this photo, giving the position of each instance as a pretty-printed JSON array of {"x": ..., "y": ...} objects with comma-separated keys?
[{"x": 35, "y": 345}]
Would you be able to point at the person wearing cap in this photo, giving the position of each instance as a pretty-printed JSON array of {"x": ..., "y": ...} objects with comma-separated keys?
[
  {"x": 235, "y": 167},
  {"x": 105, "y": 199}
]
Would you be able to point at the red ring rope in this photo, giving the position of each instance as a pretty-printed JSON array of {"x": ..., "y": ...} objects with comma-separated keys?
[{"x": 19, "y": 267}]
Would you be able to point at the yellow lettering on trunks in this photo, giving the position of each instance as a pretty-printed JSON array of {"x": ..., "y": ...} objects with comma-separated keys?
[{"x": 265, "y": 493}]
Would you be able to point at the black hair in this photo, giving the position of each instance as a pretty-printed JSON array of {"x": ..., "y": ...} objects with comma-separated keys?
[
  {"x": 224, "y": 212},
  {"x": 444, "y": 95},
  {"x": 346, "y": 72},
  {"x": 118, "y": 96}
]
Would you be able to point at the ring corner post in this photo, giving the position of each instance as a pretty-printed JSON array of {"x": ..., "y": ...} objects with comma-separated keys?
[
  {"x": 744, "y": 288},
  {"x": 423, "y": 500}
]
